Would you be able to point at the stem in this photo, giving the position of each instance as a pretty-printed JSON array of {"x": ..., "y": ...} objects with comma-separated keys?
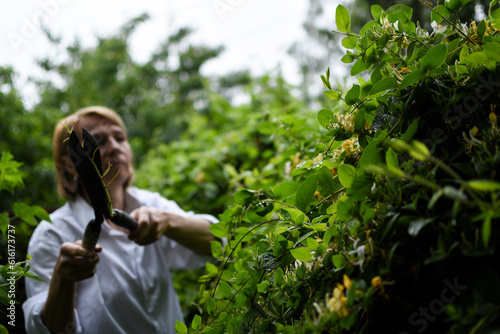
[
  {"x": 234, "y": 248},
  {"x": 219, "y": 313},
  {"x": 460, "y": 32}
]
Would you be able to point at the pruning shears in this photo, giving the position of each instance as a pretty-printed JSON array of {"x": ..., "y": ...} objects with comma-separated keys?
[{"x": 86, "y": 158}]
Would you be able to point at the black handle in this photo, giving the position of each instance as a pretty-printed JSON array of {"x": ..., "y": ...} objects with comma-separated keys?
[
  {"x": 91, "y": 235},
  {"x": 123, "y": 219}
]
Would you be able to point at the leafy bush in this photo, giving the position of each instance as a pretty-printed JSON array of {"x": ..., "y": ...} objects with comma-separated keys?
[
  {"x": 385, "y": 220},
  {"x": 15, "y": 228}
]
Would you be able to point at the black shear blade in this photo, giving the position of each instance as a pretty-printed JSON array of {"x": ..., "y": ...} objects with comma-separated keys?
[{"x": 86, "y": 158}]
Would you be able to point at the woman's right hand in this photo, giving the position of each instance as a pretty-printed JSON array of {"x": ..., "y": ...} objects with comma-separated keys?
[{"x": 76, "y": 263}]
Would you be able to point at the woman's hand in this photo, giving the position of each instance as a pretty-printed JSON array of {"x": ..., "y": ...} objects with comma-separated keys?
[
  {"x": 191, "y": 232},
  {"x": 152, "y": 223},
  {"x": 75, "y": 263}
]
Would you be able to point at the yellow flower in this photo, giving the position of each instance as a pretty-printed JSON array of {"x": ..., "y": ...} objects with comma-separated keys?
[
  {"x": 338, "y": 302},
  {"x": 347, "y": 282},
  {"x": 376, "y": 281},
  {"x": 348, "y": 147}
]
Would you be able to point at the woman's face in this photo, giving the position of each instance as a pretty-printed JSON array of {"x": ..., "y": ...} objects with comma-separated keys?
[{"x": 114, "y": 146}]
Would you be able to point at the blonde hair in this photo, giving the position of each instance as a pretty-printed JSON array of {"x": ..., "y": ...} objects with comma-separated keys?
[{"x": 67, "y": 184}]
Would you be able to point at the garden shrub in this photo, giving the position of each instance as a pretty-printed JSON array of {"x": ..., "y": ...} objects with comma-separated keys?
[
  {"x": 385, "y": 220},
  {"x": 14, "y": 228}
]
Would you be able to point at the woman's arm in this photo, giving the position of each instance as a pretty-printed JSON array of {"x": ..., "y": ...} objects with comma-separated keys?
[
  {"x": 191, "y": 232},
  {"x": 74, "y": 263}
]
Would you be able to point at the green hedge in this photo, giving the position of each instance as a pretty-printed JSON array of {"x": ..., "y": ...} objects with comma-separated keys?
[{"x": 385, "y": 219}]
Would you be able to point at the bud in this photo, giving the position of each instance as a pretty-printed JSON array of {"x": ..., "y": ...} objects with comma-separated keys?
[
  {"x": 493, "y": 118},
  {"x": 419, "y": 150},
  {"x": 347, "y": 282}
]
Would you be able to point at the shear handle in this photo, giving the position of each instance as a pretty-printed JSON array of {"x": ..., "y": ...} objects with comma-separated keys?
[{"x": 123, "y": 219}]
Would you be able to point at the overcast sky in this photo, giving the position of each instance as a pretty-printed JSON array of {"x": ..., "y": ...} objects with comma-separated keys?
[{"x": 256, "y": 33}]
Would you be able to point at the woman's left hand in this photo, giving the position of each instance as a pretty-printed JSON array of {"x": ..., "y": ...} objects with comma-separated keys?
[{"x": 152, "y": 223}]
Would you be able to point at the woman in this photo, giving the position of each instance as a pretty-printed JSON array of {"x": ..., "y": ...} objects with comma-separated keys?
[{"x": 124, "y": 284}]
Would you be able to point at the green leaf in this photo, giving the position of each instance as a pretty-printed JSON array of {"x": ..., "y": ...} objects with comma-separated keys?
[
  {"x": 454, "y": 193},
  {"x": 325, "y": 179},
  {"x": 218, "y": 230},
  {"x": 244, "y": 196},
  {"x": 224, "y": 290},
  {"x": 455, "y": 5},
  {"x": 439, "y": 12},
  {"x": 305, "y": 193},
  {"x": 4, "y": 222},
  {"x": 196, "y": 324},
  {"x": 29, "y": 214},
  {"x": 285, "y": 190},
  {"x": 338, "y": 260},
  {"x": 326, "y": 118},
  {"x": 10, "y": 175},
  {"x": 391, "y": 158},
  {"x": 410, "y": 132},
  {"x": 33, "y": 275},
  {"x": 346, "y": 174},
  {"x": 211, "y": 268},
  {"x": 417, "y": 225},
  {"x": 326, "y": 82},
  {"x": 434, "y": 57},
  {"x": 302, "y": 254},
  {"x": 331, "y": 232},
  {"x": 350, "y": 42},
  {"x": 492, "y": 51},
  {"x": 358, "y": 67},
  {"x": 352, "y": 95},
  {"x": 180, "y": 327},
  {"x": 412, "y": 78},
  {"x": 347, "y": 59},
  {"x": 211, "y": 305},
  {"x": 484, "y": 185},
  {"x": 476, "y": 58},
  {"x": 376, "y": 12},
  {"x": 383, "y": 85},
  {"x": 496, "y": 14},
  {"x": 216, "y": 248},
  {"x": 434, "y": 198},
  {"x": 296, "y": 216},
  {"x": 4, "y": 297},
  {"x": 343, "y": 19},
  {"x": 486, "y": 229},
  {"x": 407, "y": 11},
  {"x": 369, "y": 156},
  {"x": 360, "y": 187},
  {"x": 263, "y": 287},
  {"x": 332, "y": 95}
]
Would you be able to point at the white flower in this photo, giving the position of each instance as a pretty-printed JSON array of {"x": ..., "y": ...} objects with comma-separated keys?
[
  {"x": 437, "y": 28},
  {"x": 386, "y": 23},
  {"x": 360, "y": 252},
  {"x": 421, "y": 33},
  {"x": 464, "y": 28}
]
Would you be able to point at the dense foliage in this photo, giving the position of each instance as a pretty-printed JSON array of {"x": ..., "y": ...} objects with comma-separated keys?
[{"x": 385, "y": 221}]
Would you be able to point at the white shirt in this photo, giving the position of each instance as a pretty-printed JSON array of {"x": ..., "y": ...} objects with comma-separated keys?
[{"x": 132, "y": 290}]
